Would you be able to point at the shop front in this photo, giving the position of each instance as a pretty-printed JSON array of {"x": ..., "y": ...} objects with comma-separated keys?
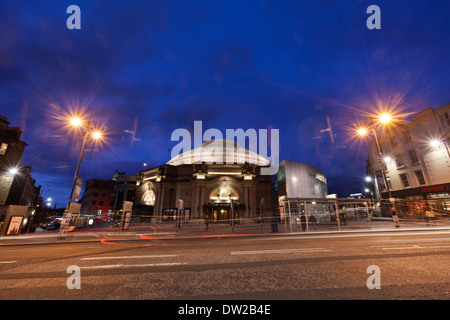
[{"x": 414, "y": 202}]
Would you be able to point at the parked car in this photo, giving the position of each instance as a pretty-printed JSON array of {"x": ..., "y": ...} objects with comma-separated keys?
[{"x": 51, "y": 226}]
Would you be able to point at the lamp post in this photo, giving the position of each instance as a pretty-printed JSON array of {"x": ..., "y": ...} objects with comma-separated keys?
[
  {"x": 379, "y": 155},
  {"x": 384, "y": 118},
  {"x": 77, "y": 122},
  {"x": 67, "y": 219}
]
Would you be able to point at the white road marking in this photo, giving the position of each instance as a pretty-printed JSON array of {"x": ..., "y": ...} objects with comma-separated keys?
[
  {"x": 414, "y": 247},
  {"x": 111, "y": 266},
  {"x": 104, "y": 267},
  {"x": 307, "y": 250},
  {"x": 130, "y": 257},
  {"x": 5, "y": 262}
]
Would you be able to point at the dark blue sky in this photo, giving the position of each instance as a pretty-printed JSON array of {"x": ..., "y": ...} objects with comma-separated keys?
[{"x": 161, "y": 65}]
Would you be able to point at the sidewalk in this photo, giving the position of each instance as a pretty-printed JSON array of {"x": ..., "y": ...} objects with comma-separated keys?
[{"x": 197, "y": 230}]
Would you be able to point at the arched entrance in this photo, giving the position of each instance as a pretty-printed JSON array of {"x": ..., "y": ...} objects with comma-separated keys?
[{"x": 219, "y": 206}]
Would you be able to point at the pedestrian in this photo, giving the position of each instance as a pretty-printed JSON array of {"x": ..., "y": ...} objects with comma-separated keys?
[
  {"x": 313, "y": 221},
  {"x": 344, "y": 218},
  {"x": 303, "y": 221},
  {"x": 429, "y": 216},
  {"x": 395, "y": 218}
]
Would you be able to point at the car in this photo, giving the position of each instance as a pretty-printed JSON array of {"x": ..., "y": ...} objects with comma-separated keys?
[{"x": 51, "y": 226}]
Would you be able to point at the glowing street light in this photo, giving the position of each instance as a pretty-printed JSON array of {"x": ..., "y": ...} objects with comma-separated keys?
[
  {"x": 387, "y": 159},
  {"x": 368, "y": 179},
  {"x": 76, "y": 121},
  {"x": 385, "y": 118},
  {"x": 362, "y": 131},
  {"x": 13, "y": 171},
  {"x": 435, "y": 143},
  {"x": 97, "y": 135}
]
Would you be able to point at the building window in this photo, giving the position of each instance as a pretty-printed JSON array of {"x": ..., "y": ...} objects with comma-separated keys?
[
  {"x": 445, "y": 119},
  {"x": 3, "y": 148},
  {"x": 407, "y": 136},
  {"x": 101, "y": 203},
  {"x": 399, "y": 162},
  {"x": 404, "y": 179},
  {"x": 420, "y": 177},
  {"x": 389, "y": 182},
  {"x": 394, "y": 142},
  {"x": 94, "y": 202},
  {"x": 95, "y": 194},
  {"x": 413, "y": 156},
  {"x": 102, "y": 195},
  {"x": 130, "y": 195},
  {"x": 99, "y": 212}
]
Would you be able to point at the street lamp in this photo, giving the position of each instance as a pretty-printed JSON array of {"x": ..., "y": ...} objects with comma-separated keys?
[
  {"x": 97, "y": 135},
  {"x": 384, "y": 118},
  {"x": 387, "y": 159},
  {"x": 436, "y": 142},
  {"x": 13, "y": 171},
  {"x": 75, "y": 121}
]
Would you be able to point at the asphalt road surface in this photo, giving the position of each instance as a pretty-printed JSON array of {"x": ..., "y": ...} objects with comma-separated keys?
[{"x": 404, "y": 265}]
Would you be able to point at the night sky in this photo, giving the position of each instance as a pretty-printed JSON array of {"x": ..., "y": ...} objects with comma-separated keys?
[{"x": 151, "y": 67}]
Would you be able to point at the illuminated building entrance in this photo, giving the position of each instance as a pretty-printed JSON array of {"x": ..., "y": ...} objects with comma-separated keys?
[{"x": 219, "y": 206}]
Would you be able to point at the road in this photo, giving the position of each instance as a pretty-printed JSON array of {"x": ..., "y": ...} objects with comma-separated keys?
[{"x": 412, "y": 265}]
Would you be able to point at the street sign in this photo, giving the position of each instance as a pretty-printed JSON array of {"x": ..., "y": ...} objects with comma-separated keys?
[
  {"x": 75, "y": 208},
  {"x": 127, "y": 209},
  {"x": 77, "y": 190}
]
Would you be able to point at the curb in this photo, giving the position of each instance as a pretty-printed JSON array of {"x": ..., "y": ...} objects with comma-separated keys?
[{"x": 200, "y": 235}]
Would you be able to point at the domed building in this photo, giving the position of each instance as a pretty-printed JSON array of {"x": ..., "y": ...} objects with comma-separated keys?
[{"x": 208, "y": 180}]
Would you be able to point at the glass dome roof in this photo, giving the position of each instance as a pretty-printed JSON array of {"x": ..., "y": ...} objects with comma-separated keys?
[{"x": 219, "y": 152}]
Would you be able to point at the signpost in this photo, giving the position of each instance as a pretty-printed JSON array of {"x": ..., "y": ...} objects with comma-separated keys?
[
  {"x": 179, "y": 213},
  {"x": 261, "y": 210},
  {"x": 69, "y": 220},
  {"x": 232, "y": 215},
  {"x": 77, "y": 189},
  {"x": 127, "y": 209}
]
